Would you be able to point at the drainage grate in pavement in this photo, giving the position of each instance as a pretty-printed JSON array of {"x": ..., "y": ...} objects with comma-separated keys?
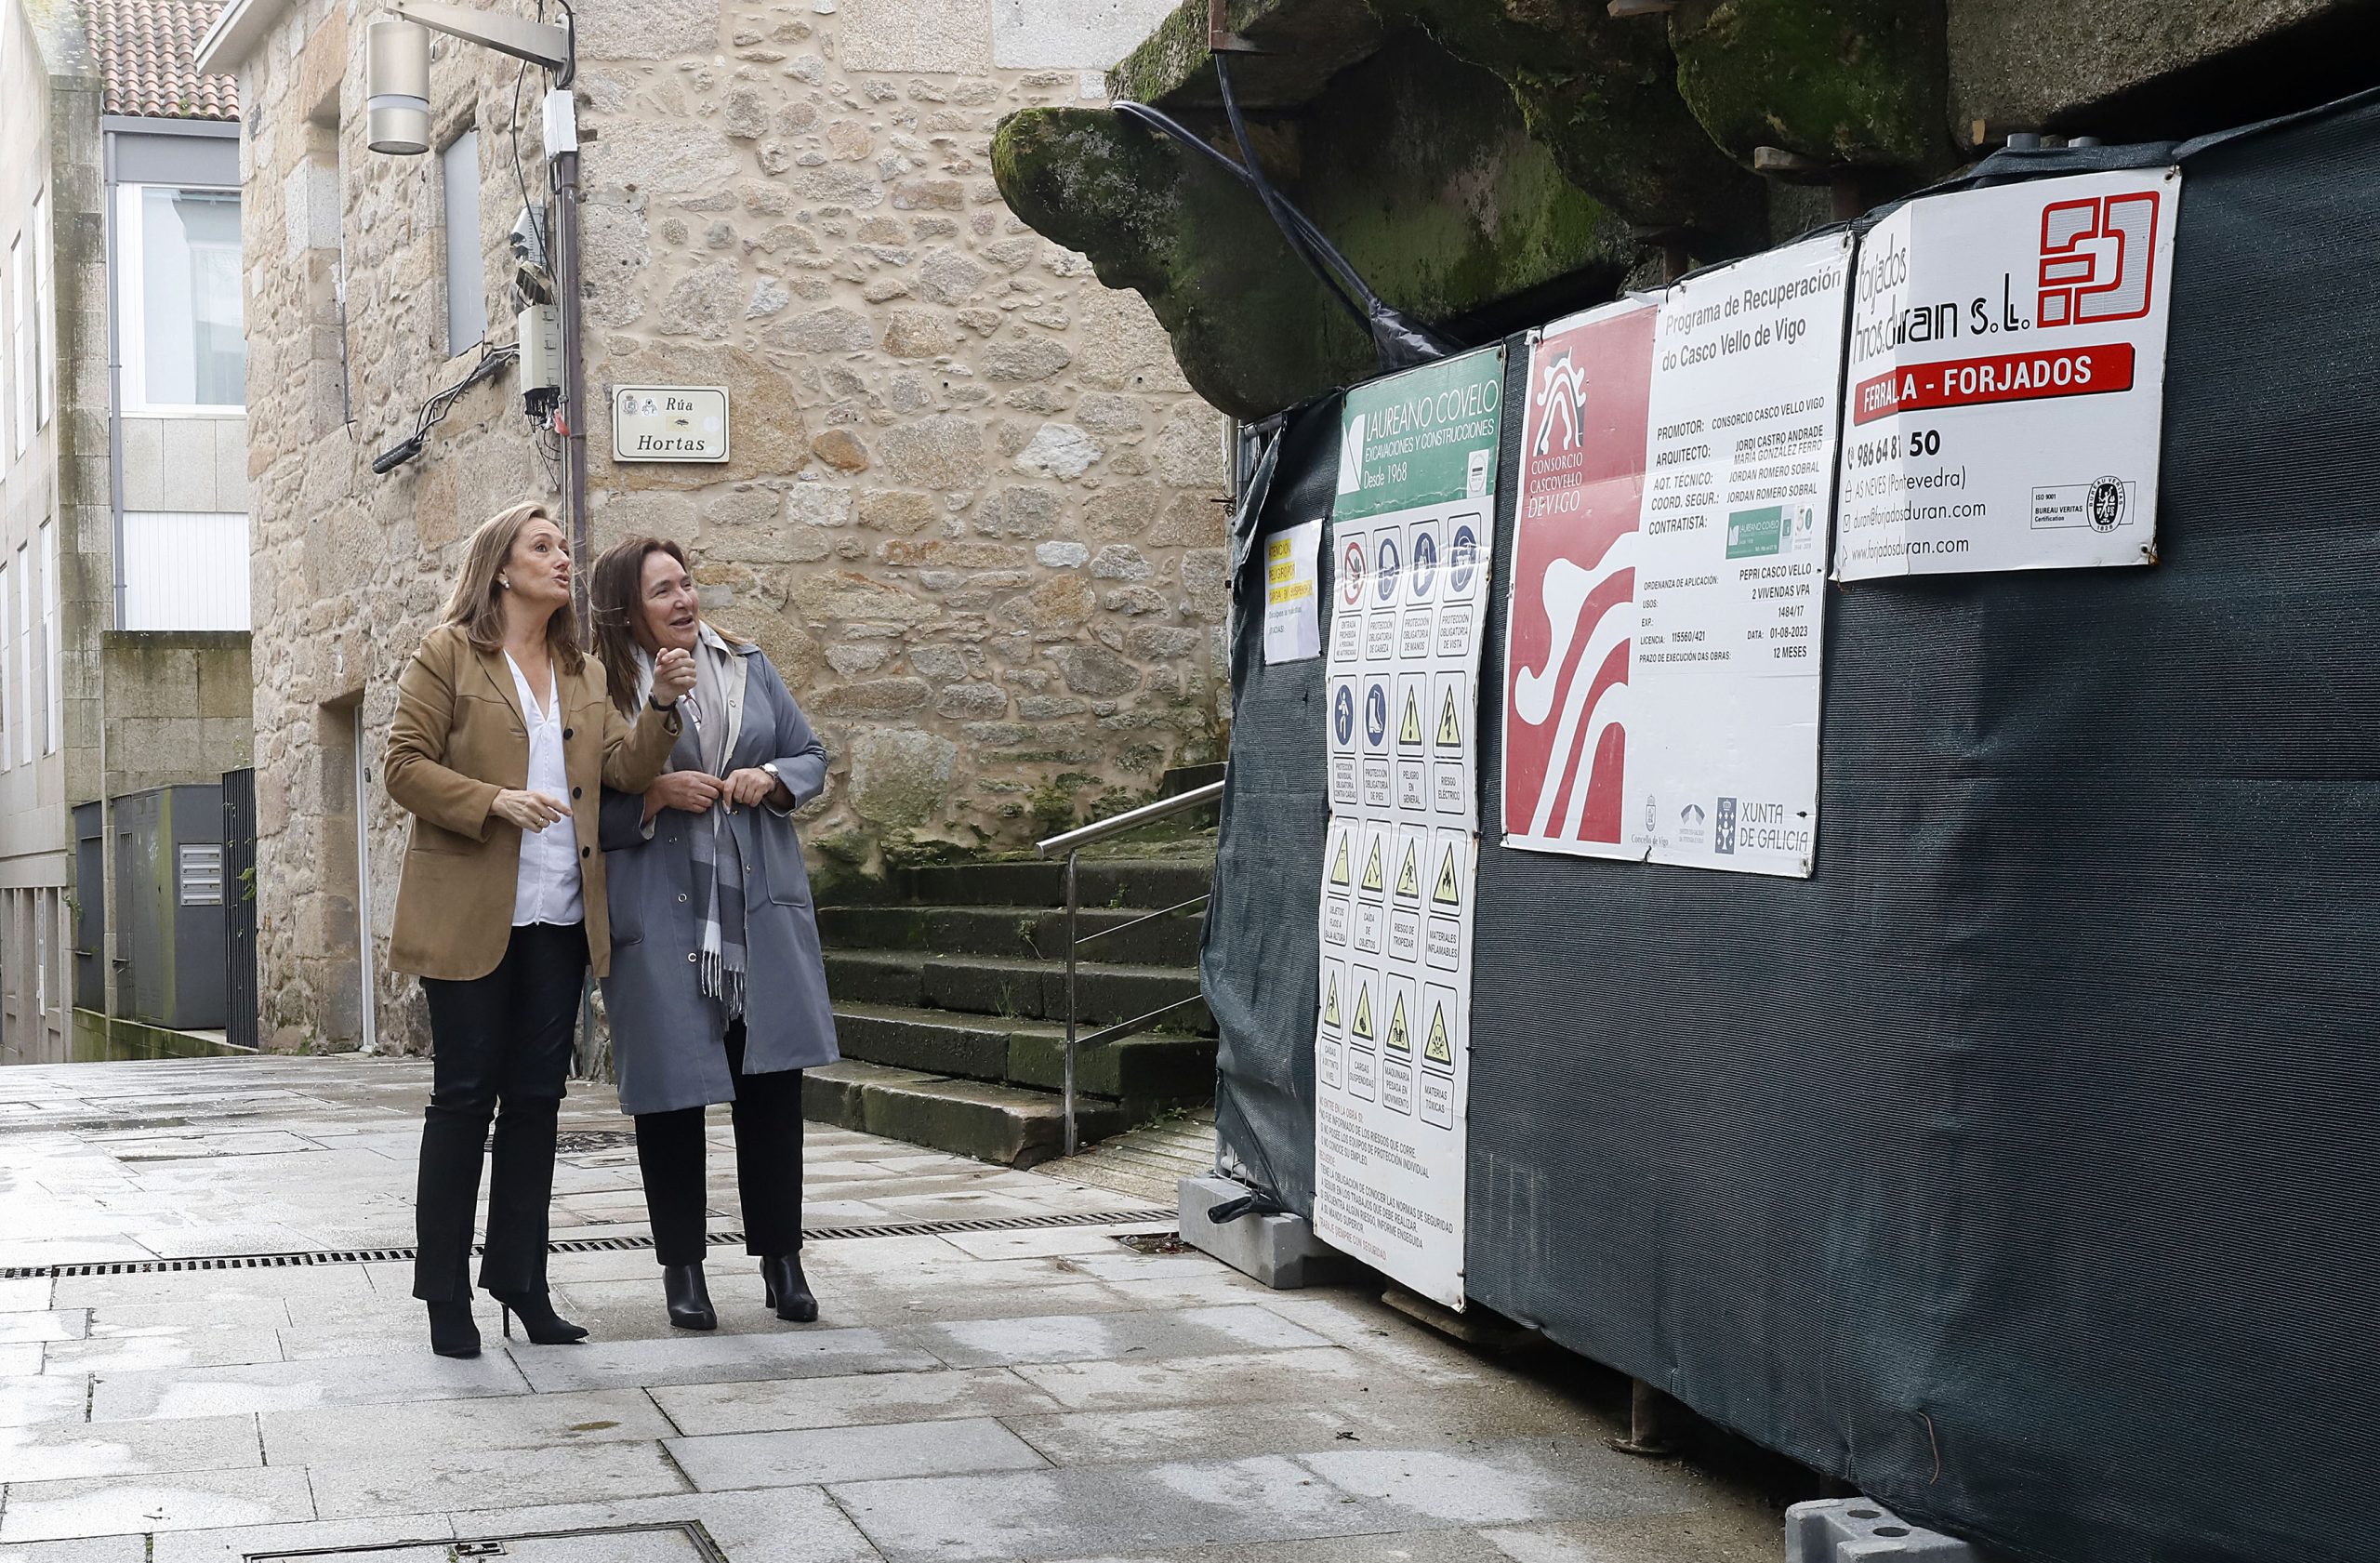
[
  {"x": 678, "y": 1542},
  {"x": 580, "y": 1142},
  {"x": 624, "y": 1243}
]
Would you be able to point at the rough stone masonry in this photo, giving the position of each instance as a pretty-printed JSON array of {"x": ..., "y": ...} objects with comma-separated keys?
[{"x": 973, "y": 510}]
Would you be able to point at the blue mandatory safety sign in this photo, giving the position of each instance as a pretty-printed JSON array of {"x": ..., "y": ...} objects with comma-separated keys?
[
  {"x": 1425, "y": 563},
  {"x": 1375, "y": 713},
  {"x": 1385, "y": 567},
  {"x": 1463, "y": 559},
  {"x": 1343, "y": 714}
]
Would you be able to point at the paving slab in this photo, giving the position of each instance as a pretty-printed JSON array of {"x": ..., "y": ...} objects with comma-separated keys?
[
  {"x": 69, "y": 1451},
  {"x": 771, "y": 1406},
  {"x": 1236, "y": 1378},
  {"x": 53, "y": 1324},
  {"x": 711, "y": 1358},
  {"x": 24, "y": 1297},
  {"x": 865, "y": 1453},
  {"x": 1420, "y": 1546},
  {"x": 405, "y": 1479},
  {"x": 782, "y": 1525},
  {"x": 162, "y": 1346},
  {"x": 338, "y": 1434},
  {"x": 1092, "y": 1510},
  {"x": 38, "y": 1511},
  {"x": 235, "y": 1543},
  {"x": 26, "y": 1398},
  {"x": 1085, "y": 1337},
  {"x": 1734, "y": 1536},
  {"x": 90, "y": 1549},
  {"x": 273, "y": 1387},
  {"x": 1410, "y": 1418}
]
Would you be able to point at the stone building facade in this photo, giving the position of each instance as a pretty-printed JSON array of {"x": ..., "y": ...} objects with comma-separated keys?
[{"x": 974, "y": 512}]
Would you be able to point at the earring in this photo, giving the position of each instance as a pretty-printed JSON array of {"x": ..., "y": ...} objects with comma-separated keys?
[{"x": 505, "y": 582}]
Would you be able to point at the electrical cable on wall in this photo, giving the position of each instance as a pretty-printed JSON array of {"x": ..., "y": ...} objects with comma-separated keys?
[
  {"x": 1399, "y": 342},
  {"x": 491, "y": 359}
]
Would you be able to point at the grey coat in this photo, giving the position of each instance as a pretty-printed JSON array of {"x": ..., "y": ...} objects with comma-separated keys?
[{"x": 668, "y": 1042}]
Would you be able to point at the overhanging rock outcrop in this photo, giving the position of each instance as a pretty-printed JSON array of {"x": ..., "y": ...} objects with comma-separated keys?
[{"x": 1484, "y": 163}]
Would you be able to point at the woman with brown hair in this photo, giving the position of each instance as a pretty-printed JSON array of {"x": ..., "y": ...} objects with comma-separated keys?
[
  {"x": 718, "y": 992},
  {"x": 502, "y": 729}
]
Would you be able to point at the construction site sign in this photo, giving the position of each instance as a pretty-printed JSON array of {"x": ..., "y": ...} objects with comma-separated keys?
[
  {"x": 1667, "y": 607},
  {"x": 1412, "y": 535},
  {"x": 2007, "y": 378}
]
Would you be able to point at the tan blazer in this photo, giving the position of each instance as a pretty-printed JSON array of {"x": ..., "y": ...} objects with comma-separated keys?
[{"x": 459, "y": 737}]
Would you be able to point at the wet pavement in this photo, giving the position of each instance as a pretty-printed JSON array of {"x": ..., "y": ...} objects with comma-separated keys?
[{"x": 1015, "y": 1385}]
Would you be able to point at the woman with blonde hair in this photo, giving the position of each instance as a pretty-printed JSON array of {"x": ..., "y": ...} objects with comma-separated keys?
[
  {"x": 719, "y": 992},
  {"x": 502, "y": 732}
]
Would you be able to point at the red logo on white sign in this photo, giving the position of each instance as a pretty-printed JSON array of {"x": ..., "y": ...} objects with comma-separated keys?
[{"x": 2098, "y": 257}]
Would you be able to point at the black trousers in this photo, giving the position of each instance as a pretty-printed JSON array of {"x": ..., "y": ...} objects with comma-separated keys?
[
  {"x": 767, "y": 1112},
  {"x": 500, "y": 1051}
]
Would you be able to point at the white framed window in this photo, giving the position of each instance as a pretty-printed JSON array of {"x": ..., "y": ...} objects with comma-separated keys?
[
  {"x": 45, "y": 316},
  {"x": 179, "y": 294},
  {"x": 185, "y": 570},
  {"x": 51, "y": 717},
  {"x": 466, "y": 266},
  {"x": 21, "y": 290},
  {"x": 8, "y": 712},
  {"x": 25, "y": 653}
]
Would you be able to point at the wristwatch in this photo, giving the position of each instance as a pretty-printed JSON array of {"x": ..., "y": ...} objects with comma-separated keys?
[{"x": 775, "y": 774}]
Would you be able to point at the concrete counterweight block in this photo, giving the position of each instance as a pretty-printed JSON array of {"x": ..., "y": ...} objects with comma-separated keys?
[
  {"x": 1280, "y": 1250},
  {"x": 1860, "y": 1530}
]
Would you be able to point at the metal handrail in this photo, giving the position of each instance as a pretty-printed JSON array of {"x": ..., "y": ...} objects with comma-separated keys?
[
  {"x": 1130, "y": 819},
  {"x": 1071, "y": 843}
]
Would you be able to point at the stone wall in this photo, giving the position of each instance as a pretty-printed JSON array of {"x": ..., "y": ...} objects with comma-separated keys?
[
  {"x": 972, "y": 512},
  {"x": 178, "y": 706}
]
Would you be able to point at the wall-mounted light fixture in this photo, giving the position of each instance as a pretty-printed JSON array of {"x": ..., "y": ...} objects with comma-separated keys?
[{"x": 396, "y": 85}]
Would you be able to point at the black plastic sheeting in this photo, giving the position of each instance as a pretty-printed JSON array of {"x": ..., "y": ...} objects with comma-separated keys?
[{"x": 2019, "y": 1167}]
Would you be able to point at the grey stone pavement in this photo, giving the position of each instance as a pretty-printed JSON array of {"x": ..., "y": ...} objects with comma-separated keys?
[{"x": 1044, "y": 1394}]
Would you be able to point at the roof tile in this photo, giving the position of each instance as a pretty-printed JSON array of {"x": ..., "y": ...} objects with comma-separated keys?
[{"x": 145, "y": 49}]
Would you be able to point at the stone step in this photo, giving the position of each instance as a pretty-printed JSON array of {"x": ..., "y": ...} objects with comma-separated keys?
[
  {"x": 982, "y": 985},
  {"x": 997, "y": 1123},
  {"x": 1147, "y": 1072},
  {"x": 1111, "y": 883},
  {"x": 1016, "y": 932}
]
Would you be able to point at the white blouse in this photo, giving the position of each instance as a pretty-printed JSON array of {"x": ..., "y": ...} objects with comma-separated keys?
[{"x": 547, "y": 888}]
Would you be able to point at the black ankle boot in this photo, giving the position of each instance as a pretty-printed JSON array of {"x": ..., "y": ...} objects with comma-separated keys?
[
  {"x": 538, "y": 1320},
  {"x": 452, "y": 1334},
  {"x": 789, "y": 1290},
  {"x": 688, "y": 1297}
]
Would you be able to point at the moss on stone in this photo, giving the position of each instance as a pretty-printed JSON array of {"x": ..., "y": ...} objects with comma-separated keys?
[
  {"x": 1455, "y": 206},
  {"x": 1251, "y": 328},
  {"x": 1601, "y": 98},
  {"x": 1857, "y": 82}
]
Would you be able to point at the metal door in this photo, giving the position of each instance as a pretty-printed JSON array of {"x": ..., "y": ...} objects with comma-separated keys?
[{"x": 240, "y": 908}]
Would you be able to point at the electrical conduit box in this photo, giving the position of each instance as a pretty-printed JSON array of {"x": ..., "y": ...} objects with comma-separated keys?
[{"x": 540, "y": 340}]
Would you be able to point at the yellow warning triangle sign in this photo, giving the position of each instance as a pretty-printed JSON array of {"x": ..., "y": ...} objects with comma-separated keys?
[
  {"x": 1340, "y": 871},
  {"x": 1409, "y": 732},
  {"x": 1399, "y": 1037},
  {"x": 1449, "y": 724},
  {"x": 1409, "y": 878},
  {"x": 1364, "y": 1012},
  {"x": 1330, "y": 1003},
  {"x": 1371, "y": 869},
  {"x": 1439, "y": 1049},
  {"x": 1449, "y": 890}
]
